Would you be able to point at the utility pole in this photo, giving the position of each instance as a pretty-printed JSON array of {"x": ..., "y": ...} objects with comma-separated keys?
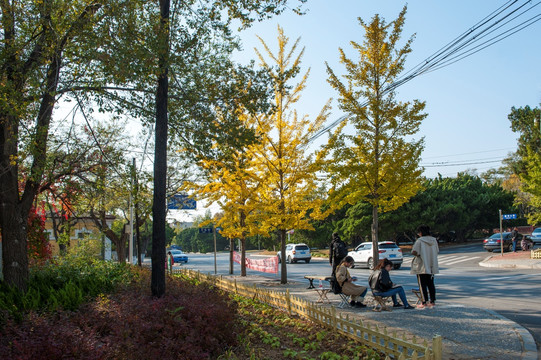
[{"x": 130, "y": 243}]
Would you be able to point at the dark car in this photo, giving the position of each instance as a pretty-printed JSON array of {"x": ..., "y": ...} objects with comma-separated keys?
[{"x": 494, "y": 242}]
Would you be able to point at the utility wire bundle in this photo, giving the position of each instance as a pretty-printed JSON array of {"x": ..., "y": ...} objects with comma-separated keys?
[{"x": 503, "y": 22}]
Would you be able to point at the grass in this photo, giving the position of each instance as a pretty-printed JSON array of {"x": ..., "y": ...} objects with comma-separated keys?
[{"x": 271, "y": 334}]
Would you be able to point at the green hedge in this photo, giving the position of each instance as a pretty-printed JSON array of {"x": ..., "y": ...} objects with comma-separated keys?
[{"x": 64, "y": 283}]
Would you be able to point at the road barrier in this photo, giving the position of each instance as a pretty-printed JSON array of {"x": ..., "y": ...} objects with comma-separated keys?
[
  {"x": 373, "y": 336},
  {"x": 535, "y": 254}
]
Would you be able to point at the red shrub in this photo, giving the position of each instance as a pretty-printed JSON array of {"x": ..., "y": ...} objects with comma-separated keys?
[{"x": 189, "y": 322}]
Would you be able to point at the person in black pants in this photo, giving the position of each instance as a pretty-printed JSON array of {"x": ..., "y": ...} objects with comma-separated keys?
[
  {"x": 515, "y": 237},
  {"x": 425, "y": 265},
  {"x": 335, "y": 258}
]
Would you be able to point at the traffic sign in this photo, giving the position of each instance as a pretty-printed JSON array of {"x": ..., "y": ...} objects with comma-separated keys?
[
  {"x": 181, "y": 202},
  {"x": 509, "y": 216},
  {"x": 205, "y": 230}
]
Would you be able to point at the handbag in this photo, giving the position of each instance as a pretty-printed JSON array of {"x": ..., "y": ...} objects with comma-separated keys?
[{"x": 417, "y": 265}]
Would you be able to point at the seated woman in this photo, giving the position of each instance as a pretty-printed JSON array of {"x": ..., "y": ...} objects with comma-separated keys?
[
  {"x": 526, "y": 243},
  {"x": 381, "y": 284},
  {"x": 356, "y": 292}
]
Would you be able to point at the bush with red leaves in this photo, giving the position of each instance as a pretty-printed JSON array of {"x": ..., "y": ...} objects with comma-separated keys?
[{"x": 189, "y": 322}]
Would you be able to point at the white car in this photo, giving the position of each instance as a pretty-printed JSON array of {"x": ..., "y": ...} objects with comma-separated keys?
[
  {"x": 296, "y": 252},
  {"x": 387, "y": 250}
]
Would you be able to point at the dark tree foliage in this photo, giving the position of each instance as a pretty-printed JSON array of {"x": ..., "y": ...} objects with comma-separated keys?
[
  {"x": 525, "y": 121},
  {"x": 452, "y": 207}
]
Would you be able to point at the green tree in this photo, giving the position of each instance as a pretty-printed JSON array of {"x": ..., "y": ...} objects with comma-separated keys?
[
  {"x": 38, "y": 38},
  {"x": 531, "y": 184},
  {"x": 526, "y": 122},
  {"x": 377, "y": 164}
]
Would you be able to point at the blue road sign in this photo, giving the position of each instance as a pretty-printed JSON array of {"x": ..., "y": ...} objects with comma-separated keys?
[
  {"x": 509, "y": 216},
  {"x": 205, "y": 230},
  {"x": 181, "y": 202}
]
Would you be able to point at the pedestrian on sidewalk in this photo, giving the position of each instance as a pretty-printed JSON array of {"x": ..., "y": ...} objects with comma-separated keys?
[
  {"x": 356, "y": 292},
  {"x": 515, "y": 236},
  {"x": 338, "y": 250},
  {"x": 381, "y": 284},
  {"x": 425, "y": 265}
]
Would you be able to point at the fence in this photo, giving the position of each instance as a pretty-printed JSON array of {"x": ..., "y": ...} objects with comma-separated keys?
[
  {"x": 371, "y": 336},
  {"x": 535, "y": 254}
]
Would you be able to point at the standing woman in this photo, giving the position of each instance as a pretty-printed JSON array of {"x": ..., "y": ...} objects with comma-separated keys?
[{"x": 425, "y": 265}]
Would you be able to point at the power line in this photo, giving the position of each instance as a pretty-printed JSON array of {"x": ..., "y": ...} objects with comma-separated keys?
[
  {"x": 460, "y": 47},
  {"x": 474, "y": 162}
]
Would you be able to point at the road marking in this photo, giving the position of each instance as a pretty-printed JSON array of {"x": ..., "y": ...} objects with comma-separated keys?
[
  {"x": 446, "y": 259},
  {"x": 514, "y": 277},
  {"x": 466, "y": 258}
]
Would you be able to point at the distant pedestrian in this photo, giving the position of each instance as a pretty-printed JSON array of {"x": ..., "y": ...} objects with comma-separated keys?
[
  {"x": 169, "y": 262},
  {"x": 338, "y": 250},
  {"x": 425, "y": 265},
  {"x": 515, "y": 236}
]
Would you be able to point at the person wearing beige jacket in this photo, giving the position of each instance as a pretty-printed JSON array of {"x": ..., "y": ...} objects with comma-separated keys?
[
  {"x": 425, "y": 265},
  {"x": 346, "y": 281}
]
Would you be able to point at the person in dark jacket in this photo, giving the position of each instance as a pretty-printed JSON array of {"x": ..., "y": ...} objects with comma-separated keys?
[
  {"x": 334, "y": 258},
  {"x": 381, "y": 284},
  {"x": 515, "y": 236}
]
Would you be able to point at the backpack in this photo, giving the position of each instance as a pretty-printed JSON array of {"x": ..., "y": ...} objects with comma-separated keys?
[
  {"x": 335, "y": 286},
  {"x": 340, "y": 250}
]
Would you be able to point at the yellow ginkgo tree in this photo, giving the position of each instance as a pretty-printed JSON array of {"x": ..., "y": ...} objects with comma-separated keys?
[
  {"x": 281, "y": 155},
  {"x": 379, "y": 162},
  {"x": 232, "y": 182}
]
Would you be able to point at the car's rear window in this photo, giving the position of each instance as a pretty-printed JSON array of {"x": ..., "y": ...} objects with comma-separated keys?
[
  {"x": 388, "y": 246},
  {"x": 302, "y": 247}
]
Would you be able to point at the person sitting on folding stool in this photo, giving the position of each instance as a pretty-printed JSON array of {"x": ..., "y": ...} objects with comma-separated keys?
[
  {"x": 381, "y": 284},
  {"x": 356, "y": 292}
]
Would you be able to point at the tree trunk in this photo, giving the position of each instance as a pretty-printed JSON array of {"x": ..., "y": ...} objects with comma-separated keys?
[
  {"x": 283, "y": 268},
  {"x": 242, "y": 257},
  {"x": 375, "y": 238},
  {"x": 14, "y": 246},
  {"x": 119, "y": 241},
  {"x": 14, "y": 211},
  {"x": 231, "y": 250},
  {"x": 160, "y": 158}
]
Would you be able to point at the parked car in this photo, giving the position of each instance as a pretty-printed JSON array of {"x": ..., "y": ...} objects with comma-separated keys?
[
  {"x": 494, "y": 242},
  {"x": 296, "y": 252},
  {"x": 362, "y": 254},
  {"x": 536, "y": 236},
  {"x": 179, "y": 256}
]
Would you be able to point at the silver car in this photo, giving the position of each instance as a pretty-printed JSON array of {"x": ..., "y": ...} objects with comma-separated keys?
[
  {"x": 387, "y": 250},
  {"x": 536, "y": 236}
]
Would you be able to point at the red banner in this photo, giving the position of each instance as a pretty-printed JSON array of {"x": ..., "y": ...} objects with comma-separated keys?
[{"x": 268, "y": 265}]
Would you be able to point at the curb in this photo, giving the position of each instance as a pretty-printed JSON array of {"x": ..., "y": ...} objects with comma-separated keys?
[
  {"x": 529, "y": 347},
  {"x": 509, "y": 264}
]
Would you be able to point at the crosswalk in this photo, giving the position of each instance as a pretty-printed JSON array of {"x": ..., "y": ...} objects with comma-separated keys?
[{"x": 446, "y": 259}]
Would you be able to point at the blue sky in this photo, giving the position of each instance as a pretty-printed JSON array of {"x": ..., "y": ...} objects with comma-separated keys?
[{"x": 467, "y": 102}]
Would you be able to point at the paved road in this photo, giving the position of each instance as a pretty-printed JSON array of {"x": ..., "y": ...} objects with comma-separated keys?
[{"x": 513, "y": 293}]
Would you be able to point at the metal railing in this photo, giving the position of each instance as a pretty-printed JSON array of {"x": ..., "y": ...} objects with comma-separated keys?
[{"x": 373, "y": 336}]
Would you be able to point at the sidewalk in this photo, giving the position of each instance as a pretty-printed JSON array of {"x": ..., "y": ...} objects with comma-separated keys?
[
  {"x": 518, "y": 260},
  {"x": 467, "y": 332}
]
